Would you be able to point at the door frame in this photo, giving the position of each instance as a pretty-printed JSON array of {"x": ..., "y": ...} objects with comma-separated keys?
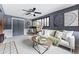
[{"x": 13, "y": 18}]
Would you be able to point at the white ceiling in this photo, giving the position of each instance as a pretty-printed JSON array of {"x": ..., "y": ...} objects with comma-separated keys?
[{"x": 16, "y": 9}]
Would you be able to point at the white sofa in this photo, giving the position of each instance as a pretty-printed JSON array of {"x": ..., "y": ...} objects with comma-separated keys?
[{"x": 67, "y": 41}]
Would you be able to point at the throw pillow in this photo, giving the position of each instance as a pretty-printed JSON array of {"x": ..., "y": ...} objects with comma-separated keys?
[
  {"x": 67, "y": 34},
  {"x": 58, "y": 34},
  {"x": 64, "y": 36},
  {"x": 53, "y": 33},
  {"x": 70, "y": 33}
]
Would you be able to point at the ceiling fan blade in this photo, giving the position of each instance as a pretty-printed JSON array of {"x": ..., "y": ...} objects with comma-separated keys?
[
  {"x": 30, "y": 10},
  {"x": 38, "y": 12},
  {"x": 28, "y": 13},
  {"x": 24, "y": 10}
]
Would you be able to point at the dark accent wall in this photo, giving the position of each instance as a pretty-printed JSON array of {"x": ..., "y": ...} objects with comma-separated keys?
[
  {"x": 57, "y": 19},
  {"x": 58, "y": 22}
]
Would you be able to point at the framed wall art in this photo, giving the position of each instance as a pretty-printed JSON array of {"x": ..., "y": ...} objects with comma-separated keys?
[{"x": 71, "y": 18}]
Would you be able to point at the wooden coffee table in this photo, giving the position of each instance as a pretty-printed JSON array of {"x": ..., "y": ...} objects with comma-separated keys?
[{"x": 37, "y": 42}]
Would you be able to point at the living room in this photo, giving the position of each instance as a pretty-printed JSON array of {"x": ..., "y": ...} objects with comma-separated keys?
[{"x": 39, "y": 29}]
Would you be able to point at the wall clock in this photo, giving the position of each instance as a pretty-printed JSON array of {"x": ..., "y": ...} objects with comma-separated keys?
[{"x": 28, "y": 23}]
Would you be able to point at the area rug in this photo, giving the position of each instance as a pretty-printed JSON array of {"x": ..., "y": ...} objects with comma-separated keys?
[{"x": 8, "y": 48}]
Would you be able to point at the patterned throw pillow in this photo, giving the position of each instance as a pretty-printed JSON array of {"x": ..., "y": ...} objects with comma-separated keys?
[
  {"x": 67, "y": 34},
  {"x": 58, "y": 34}
]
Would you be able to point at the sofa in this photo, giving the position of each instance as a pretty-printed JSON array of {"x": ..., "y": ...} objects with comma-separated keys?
[
  {"x": 65, "y": 38},
  {"x": 68, "y": 40}
]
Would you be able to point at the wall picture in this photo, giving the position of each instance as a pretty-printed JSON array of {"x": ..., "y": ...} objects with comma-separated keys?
[{"x": 71, "y": 18}]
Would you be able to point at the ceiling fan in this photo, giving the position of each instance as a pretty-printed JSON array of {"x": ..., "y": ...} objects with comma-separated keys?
[{"x": 32, "y": 12}]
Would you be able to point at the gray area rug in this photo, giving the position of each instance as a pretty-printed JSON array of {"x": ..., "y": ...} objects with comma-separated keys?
[{"x": 8, "y": 48}]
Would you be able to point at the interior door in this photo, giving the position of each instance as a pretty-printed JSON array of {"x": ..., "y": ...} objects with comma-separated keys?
[
  {"x": 21, "y": 27},
  {"x": 18, "y": 27},
  {"x": 15, "y": 27}
]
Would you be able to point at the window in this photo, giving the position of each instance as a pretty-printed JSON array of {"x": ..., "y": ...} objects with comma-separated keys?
[
  {"x": 43, "y": 21},
  {"x": 39, "y": 20},
  {"x": 47, "y": 21},
  {"x": 34, "y": 23}
]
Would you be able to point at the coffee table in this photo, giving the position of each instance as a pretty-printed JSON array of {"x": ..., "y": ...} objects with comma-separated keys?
[{"x": 36, "y": 42}]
